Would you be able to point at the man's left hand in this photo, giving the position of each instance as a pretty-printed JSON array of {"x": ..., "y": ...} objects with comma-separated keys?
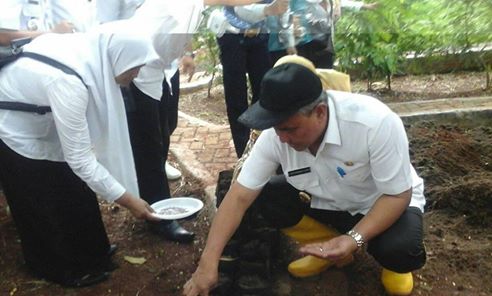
[
  {"x": 188, "y": 66},
  {"x": 370, "y": 6},
  {"x": 63, "y": 27},
  {"x": 335, "y": 249}
]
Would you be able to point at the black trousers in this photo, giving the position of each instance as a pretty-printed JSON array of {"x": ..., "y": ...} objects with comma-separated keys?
[
  {"x": 239, "y": 56},
  {"x": 150, "y": 124},
  {"x": 57, "y": 217},
  {"x": 400, "y": 248},
  {"x": 317, "y": 51},
  {"x": 168, "y": 111}
]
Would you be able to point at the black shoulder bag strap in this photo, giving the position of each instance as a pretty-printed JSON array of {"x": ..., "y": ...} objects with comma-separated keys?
[{"x": 25, "y": 107}]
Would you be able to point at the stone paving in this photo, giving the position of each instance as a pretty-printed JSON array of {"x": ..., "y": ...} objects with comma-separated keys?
[{"x": 205, "y": 149}]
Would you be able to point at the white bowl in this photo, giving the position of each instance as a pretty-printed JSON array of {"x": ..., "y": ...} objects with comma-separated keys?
[{"x": 176, "y": 207}]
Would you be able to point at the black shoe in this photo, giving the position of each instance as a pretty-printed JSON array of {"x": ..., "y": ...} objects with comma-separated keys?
[
  {"x": 87, "y": 280},
  {"x": 173, "y": 231},
  {"x": 111, "y": 266},
  {"x": 112, "y": 250}
]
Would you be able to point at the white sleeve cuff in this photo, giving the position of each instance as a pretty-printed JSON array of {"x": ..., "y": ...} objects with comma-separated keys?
[
  {"x": 252, "y": 13},
  {"x": 352, "y": 5},
  {"x": 115, "y": 192}
]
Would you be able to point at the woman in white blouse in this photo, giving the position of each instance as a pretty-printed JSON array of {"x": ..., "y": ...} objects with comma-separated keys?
[{"x": 52, "y": 166}]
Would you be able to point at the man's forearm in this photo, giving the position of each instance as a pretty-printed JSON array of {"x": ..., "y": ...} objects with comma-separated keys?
[
  {"x": 226, "y": 221},
  {"x": 385, "y": 212},
  {"x": 6, "y": 37}
]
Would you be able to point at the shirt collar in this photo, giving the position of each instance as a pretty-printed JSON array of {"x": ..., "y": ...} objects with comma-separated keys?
[{"x": 332, "y": 134}]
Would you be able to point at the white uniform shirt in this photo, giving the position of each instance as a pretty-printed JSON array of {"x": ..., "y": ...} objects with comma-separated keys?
[
  {"x": 42, "y": 15},
  {"x": 78, "y": 12},
  {"x": 25, "y": 15},
  {"x": 113, "y": 10},
  {"x": 364, "y": 154},
  {"x": 43, "y": 136},
  {"x": 169, "y": 26},
  {"x": 176, "y": 22}
]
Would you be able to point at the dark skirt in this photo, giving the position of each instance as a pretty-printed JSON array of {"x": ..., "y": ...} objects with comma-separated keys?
[{"x": 57, "y": 217}]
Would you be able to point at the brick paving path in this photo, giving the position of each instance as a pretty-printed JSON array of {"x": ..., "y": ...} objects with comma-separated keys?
[{"x": 205, "y": 149}]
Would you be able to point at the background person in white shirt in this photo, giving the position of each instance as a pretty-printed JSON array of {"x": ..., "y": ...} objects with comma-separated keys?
[
  {"x": 153, "y": 96},
  {"x": 350, "y": 153},
  {"x": 31, "y": 18},
  {"x": 244, "y": 57},
  {"x": 52, "y": 165},
  {"x": 310, "y": 30},
  {"x": 168, "y": 27}
]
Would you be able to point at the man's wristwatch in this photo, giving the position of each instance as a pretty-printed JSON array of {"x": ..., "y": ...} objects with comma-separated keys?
[{"x": 359, "y": 240}]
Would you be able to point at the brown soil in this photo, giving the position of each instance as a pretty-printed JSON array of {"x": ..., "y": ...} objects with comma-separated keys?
[
  {"x": 455, "y": 161},
  {"x": 167, "y": 264}
]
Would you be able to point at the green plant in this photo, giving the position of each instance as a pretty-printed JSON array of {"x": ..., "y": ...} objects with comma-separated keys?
[
  {"x": 369, "y": 41},
  {"x": 209, "y": 55},
  {"x": 378, "y": 43},
  {"x": 471, "y": 25}
]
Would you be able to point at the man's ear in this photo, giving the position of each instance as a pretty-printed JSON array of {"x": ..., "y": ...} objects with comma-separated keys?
[{"x": 321, "y": 110}]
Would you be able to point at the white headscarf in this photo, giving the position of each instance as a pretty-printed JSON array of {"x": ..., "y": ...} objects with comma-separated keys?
[
  {"x": 169, "y": 25},
  {"x": 98, "y": 58}
]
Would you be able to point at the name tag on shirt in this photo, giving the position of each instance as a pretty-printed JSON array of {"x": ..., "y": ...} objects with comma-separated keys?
[{"x": 297, "y": 172}]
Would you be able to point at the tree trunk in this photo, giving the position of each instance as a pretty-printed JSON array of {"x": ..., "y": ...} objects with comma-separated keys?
[
  {"x": 210, "y": 84},
  {"x": 488, "y": 69}
]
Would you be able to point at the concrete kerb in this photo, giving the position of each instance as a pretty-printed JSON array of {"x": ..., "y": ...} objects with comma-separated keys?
[
  {"x": 188, "y": 160},
  {"x": 409, "y": 111},
  {"x": 425, "y": 107},
  {"x": 190, "y": 87},
  {"x": 203, "y": 81}
]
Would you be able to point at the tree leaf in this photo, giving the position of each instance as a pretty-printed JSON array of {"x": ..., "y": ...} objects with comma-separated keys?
[{"x": 135, "y": 260}]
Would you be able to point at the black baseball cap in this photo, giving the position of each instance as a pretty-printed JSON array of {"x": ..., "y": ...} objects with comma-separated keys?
[{"x": 284, "y": 90}]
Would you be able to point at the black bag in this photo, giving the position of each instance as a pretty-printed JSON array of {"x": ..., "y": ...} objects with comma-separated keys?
[
  {"x": 8, "y": 54},
  {"x": 15, "y": 52}
]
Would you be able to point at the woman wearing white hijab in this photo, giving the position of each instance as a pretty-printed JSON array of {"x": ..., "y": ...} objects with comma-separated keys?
[{"x": 48, "y": 162}]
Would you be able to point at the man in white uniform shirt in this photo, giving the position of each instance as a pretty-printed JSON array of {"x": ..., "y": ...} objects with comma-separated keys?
[{"x": 349, "y": 152}]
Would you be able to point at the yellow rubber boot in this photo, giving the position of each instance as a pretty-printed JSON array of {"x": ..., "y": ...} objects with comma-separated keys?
[
  {"x": 306, "y": 231},
  {"x": 311, "y": 265},
  {"x": 398, "y": 284},
  {"x": 309, "y": 230}
]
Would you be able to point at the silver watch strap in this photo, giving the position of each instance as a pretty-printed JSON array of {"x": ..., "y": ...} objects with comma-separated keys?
[{"x": 359, "y": 240}]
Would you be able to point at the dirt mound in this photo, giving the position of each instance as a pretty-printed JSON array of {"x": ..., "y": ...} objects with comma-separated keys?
[{"x": 456, "y": 164}]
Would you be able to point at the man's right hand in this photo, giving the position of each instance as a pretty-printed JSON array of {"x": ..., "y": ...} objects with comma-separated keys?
[
  {"x": 63, "y": 27},
  {"x": 227, "y": 219},
  {"x": 201, "y": 282}
]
